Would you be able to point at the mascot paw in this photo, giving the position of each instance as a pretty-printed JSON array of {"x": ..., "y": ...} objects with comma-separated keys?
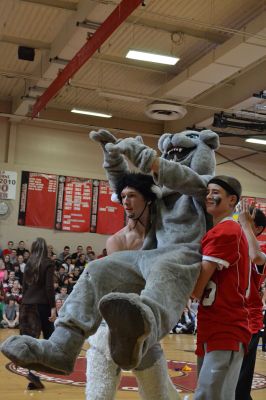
[
  {"x": 128, "y": 328},
  {"x": 102, "y": 136},
  {"x": 36, "y": 354}
]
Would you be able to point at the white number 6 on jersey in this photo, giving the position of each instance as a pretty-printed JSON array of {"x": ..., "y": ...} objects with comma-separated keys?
[{"x": 209, "y": 294}]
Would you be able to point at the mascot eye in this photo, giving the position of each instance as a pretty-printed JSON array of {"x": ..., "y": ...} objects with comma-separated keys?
[{"x": 193, "y": 135}]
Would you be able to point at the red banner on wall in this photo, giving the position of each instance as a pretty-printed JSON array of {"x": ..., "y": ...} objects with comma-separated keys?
[
  {"x": 73, "y": 204},
  {"x": 37, "y": 200},
  {"x": 68, "y": 203},
  {"x": 110, "y": 215}
]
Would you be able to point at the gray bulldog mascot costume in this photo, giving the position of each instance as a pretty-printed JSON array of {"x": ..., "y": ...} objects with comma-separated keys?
[{"x": 166, "y": 269}]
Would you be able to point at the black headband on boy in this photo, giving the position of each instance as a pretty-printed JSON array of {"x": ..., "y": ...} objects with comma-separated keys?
[{"x": 228, "y": 183}]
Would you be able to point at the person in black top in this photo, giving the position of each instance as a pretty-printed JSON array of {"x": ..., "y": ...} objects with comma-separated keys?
[{"x": 37, "y": 311}]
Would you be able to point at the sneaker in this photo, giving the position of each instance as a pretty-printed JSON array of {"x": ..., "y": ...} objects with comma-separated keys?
[
  {"x": 31, "y": 386},
  {"x": 34, "y": 381}
]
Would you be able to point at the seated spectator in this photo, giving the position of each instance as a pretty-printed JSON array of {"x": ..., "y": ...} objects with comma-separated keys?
[
  {"x": 61, "y": 275},
  {"x": 63, "y": 293},
  {"x": 8, "y": 284},
  {"x": 21, "y": 263},
  {"x": 18, "y": 272},
  {"x": 78, "y": 252},
  {"x": 21, "y": 248},
  {"x": 69, "y": 267},
  {"x": 13, "y": 256},
  {"x": 8, "y": 265},
  {"x": 9, "y": 248},
  {"x": 104, "y": 254},
  {"x": 58, "y": 305},
  {"x": 26, "y": 255},
  {"x": 186, "y": 324},
  {"x": 65, "y": 253},
  {"x": 73, "y": 278},
  {"x": 81, "y": 262},
  {"x": 51, "y": 252},
  {"x": 10, "y": 314},
  {"x": 90, "y": 256},
  {"x": 56, "y": 284},
  {"x": 15, "y": 292},
  {"x": 3, "y": 271}
]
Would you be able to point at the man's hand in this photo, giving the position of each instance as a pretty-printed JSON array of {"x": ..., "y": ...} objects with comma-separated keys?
[
  {"x": 245, "y": 218},
  {"x": 136, "y": 151}
]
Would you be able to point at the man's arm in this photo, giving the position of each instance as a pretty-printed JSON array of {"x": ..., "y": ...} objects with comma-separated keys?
[
  {"x": 247, "y": 222},
  {"x": 206, "y": 272},
  {"x": 113, "y": 244}
]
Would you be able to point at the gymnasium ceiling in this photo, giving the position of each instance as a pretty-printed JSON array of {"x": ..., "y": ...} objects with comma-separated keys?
[{"x": 222, "y": 51}]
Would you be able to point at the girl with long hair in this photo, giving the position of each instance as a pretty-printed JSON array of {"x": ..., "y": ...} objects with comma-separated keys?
[{"x": 37, "y": 311}]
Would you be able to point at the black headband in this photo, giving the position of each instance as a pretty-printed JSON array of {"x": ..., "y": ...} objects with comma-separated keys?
[{"x": 225, "y": 186}]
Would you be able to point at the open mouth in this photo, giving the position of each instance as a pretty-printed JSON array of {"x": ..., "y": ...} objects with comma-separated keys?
[{"x": 178, "y": 153}]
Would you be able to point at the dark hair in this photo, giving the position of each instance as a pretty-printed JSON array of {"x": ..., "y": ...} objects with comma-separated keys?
[
  {"x": 39, "y": 253},
  {"x": 260, "y": 219},
  {"x": 67, "y": 247},
  {"x": 140, "y": 182}
]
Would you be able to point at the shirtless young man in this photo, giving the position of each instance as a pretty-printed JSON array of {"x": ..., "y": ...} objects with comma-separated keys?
[{"x": 136, "y": 192}]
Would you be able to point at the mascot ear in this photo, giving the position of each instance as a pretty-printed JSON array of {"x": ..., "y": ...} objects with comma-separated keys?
[
  {"x": 164, "y": 141},
  {"x": 210, "y": 138}
]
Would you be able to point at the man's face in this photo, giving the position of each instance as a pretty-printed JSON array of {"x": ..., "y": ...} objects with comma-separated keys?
[
  {"x": 79, "y": 249},
  {"x": 133, "y": 202},
  {"x": 10, "y": 245},
  {"x": 66, "y": 250},
  {"x": 82, "y": 257},
  {"x": 11, "y": 275},
  {"x": 14, "y": 253},
  {"x": 21, "y": 245},
  {"x": 20, "y": 259},
  {"x": 218, "y": 201}
]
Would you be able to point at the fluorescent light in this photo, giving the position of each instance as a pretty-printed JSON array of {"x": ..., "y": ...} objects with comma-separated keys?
[
  {"x": 119, "y": 96},
  {"x": 92, "y": 113},
  {"x": 257, "y": 141},
  {"x": 151, "y": 57}
]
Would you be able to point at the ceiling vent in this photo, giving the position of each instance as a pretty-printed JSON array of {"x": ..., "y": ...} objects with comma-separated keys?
[{"x": 165, "y": 111}]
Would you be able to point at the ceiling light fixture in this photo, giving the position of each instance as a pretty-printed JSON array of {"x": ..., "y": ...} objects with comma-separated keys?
[
  {"x": 120, "y": 96},
  {"x": 92, "y": 113},
  {"x": 257, "y": 141},
  {"x": 151, "y": 57}
]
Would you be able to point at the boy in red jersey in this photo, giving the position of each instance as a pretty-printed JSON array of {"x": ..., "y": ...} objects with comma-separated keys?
[
  {"x": 253, "y": 225},
  {"x": 223, "y": 334}
]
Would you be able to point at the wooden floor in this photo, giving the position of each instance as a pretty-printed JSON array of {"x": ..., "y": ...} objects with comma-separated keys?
[{"x": 177, "y": 347}]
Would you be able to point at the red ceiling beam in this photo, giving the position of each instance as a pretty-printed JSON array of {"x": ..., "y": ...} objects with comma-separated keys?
[{"x": 120, "y": 13}]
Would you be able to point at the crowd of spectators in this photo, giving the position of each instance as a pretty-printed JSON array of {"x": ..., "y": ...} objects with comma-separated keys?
[{"x": 13, "y": 259}]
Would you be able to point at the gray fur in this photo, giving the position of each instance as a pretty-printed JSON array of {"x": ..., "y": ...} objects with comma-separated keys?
[{"x": 169, "y": 266}]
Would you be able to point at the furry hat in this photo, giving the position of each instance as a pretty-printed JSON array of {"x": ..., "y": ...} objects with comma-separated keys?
[{"x": 140, "y": 182}]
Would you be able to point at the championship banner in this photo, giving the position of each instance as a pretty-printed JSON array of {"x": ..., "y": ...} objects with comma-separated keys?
[
  {"x": 8, "y": 183},
  {"x": 73, "y": 206},
  {"x": 37, "y": 200},
  {"x": 107, "y": 217}
]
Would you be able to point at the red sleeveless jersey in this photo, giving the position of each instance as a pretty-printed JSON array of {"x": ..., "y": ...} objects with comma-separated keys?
[{"x": 223, "y": 315}]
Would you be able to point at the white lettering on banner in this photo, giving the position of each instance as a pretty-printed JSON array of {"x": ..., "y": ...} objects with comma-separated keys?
[{"x": 8, "y": 183}]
